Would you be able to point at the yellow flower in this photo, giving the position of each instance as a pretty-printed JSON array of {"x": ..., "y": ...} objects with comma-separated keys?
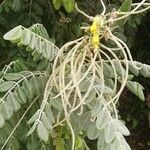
[
  {"x": 95, "y": 40},
  {"x": 95, "y": 30},
  {"x": 93, "y": 27}
]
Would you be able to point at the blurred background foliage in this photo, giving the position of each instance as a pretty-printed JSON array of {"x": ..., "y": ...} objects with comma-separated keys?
[{"x": 63, "y": 24}]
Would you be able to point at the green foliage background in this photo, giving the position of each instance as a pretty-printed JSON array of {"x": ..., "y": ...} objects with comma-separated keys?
[{"x": 63, "y": 24}]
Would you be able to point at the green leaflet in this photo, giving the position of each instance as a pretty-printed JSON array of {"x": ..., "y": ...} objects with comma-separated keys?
[
  {"x": 120, "y": 126},
  {"x": 40, "y": 30},
  {"x": 26, "y": 38},
  {"x": 43, "y": 64},
  {"x": 16, "y": 96},
  {"x": 35, "y": 85},
  {"x": 84, "y": 121},
  {"x": 42, "y": 81},
  {"x": 14, "y": 34},
  {"x": 108, "y": 71},
  {"x": 109, "y": 132},
  {"x": 57, "y": 104},
  {"x": 48, "y": 54},
  {"x": 97, "y": 107},
  {"x": 91, "y": 97},
  {"x": 125, "y": 7},
  {"x": 47, "y": 121},
  {"x": 92, "y": 132},
  {"x": 133, "y": 69},
  {"x": 57, "y": 4},
  {"x": 32, "y": 129},
  {"x": 49, "y": 113},
  {"x": 136, "y": 88},
  {"x": 69, "y": 5},
  {"x": 21, "y": 94},
  {"x": 38, "y": 46},
  {"x": 2, "y": 120},
  {"x": 19, "y": 66},
  {"x": 5, "y": 86},
  {"x": 12, "y": 101},
  {"x": 106, "y": 91},
  {"x": 121, "y": 142},
  {"x": 118, "y": 145},
  {"x": 49, "y": 68},
  {"x": 34, "y": 117},
  {"x": 115, "y": 146},
  {"x": 83, "y": 85},
  {"x": 145, "y": 70},
  {"x": 12, "y": 76},
  {"x": 105, "y": 146},
  {"x": 102, "y": 119},
  {"x": 33, "y": 42},
  {"x": 119, "y": 68},
  {"x": 28, "y": 89},
  {"x": 42, "y": 131},
  {"x": 36, "y": 57},
  {"x": 101, "y": 142},
  {"x": 109, "y": 83},
  {"x": 6, "y": 110}
]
